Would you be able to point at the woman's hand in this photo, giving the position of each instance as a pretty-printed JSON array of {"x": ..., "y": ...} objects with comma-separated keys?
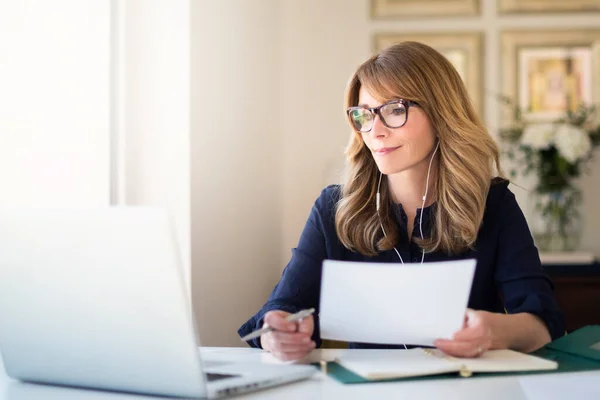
[
  {"x": 290, "y": 340},
  {"x": 476, "y": 336}
]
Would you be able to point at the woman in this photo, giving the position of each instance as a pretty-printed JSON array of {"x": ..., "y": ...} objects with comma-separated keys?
[{"x": 419, "y": 186}]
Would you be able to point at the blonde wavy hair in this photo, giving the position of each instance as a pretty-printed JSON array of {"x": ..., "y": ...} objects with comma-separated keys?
[{"x": 467, "y": 158}]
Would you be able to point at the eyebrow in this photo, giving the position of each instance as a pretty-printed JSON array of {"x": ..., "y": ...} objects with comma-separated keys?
[{"x": 385, "y": 102}]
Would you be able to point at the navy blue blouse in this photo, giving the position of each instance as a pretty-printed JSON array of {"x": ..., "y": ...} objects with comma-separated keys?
[{"x": 508, "y": 275}]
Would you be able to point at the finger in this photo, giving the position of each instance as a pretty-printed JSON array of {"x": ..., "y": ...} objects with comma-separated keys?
[
  {"x": 276, "y": 320},
  {"x": 292, "y": 347},
  {"x": 456, "y": 343},
  {"x": 283, "y": 348},
  {"x": 461, "y": 348},
  {"x": 292, "y": 338},
  {"x": 291, "y": 356},
  {"x": 283, "y": 338},
  {"x": 306, "y": 325},
  {"x": 458, "y": 349}
]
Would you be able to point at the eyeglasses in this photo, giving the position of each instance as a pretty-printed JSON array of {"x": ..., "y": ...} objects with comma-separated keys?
[{"x": 393, "y": 114}]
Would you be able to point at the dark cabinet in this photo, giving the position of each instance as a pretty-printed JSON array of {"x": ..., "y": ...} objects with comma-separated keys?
[{"x": 577, "y": 291}]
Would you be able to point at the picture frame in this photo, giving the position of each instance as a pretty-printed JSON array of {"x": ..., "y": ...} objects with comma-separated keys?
[
  {"x": 463, "y": 49},
  {"x": 547, "y": 6},
  {"x": 546, "y": 73},
  {"x": 383, "y": 9}
]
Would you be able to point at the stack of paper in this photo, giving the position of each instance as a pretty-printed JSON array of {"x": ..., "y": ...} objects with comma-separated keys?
[{"x": 393, "y": 303}]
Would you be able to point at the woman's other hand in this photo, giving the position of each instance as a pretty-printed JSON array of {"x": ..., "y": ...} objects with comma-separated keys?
[{"x": 475, "y": 338}]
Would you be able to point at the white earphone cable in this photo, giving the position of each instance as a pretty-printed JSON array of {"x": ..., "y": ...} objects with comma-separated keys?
[
  {"x": 425, "y": 197},
  {"x": 378, "y": 200}
]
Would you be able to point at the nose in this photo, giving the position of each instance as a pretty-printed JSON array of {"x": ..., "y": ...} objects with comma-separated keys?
[{"x": 379, "y": 129}]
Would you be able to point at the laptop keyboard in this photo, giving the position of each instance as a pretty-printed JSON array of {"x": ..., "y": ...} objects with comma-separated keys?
[{"x": 211, "y": 377}]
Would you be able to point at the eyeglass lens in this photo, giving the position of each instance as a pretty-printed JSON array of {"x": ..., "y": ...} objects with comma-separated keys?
[{"x": 392, "y": 115}]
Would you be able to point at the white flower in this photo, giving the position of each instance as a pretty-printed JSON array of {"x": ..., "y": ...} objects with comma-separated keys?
[
  {"x": 572, "y": 142},
  {"x": 538, "y": 136}
]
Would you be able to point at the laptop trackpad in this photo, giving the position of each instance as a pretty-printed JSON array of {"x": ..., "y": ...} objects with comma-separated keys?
[{"x": 211, "y": 376}]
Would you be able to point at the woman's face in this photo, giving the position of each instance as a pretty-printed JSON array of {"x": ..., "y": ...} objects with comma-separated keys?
[{"x": 398, "y": 149}]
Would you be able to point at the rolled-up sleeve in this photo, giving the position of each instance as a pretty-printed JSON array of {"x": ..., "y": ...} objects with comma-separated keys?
[
  {"x": 522, "y": 282},
  {"x": 300, "y": 284}
]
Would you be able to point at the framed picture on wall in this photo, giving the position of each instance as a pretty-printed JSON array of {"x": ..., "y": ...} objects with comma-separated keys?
[
  {"x": 518, "y": 6},
  {"x": 462, "y": 49},
  {"x": 423, "y": 8},
  {"x": 547, "y": 73}
]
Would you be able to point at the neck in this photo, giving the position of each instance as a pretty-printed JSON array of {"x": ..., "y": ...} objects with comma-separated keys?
[{"x": 408, "y": 187}]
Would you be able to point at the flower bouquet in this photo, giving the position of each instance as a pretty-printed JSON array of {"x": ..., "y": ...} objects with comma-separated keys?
[{"x": 557, "y": 152}]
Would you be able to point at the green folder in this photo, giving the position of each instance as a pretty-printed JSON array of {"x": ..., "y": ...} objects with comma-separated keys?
[{"x": 577, "y": 351}]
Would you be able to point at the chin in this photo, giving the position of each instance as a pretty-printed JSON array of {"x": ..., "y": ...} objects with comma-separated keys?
[{"x": 391, "y": 170}]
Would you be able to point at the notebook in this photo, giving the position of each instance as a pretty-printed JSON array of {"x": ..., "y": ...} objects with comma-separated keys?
[{"x": 393, "y": 364}]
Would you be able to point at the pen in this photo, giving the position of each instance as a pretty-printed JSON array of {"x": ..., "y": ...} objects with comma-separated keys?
[{"x": 292, "y": 317}]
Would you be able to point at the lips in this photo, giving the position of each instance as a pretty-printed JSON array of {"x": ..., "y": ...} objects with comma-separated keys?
[{"x": 385, "y": 150}]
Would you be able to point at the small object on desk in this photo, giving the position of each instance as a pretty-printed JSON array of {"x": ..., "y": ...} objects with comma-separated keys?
[
  {"x": 292, "y": 317},
  {"x": 324, "y": 367},
  {"x": 465, "y": 372}
]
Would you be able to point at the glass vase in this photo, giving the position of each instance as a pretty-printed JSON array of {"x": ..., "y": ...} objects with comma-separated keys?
[{"x": 556, "y": 223}]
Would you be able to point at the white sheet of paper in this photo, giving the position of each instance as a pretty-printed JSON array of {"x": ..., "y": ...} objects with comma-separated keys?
[{"x": 392, "y": 303}]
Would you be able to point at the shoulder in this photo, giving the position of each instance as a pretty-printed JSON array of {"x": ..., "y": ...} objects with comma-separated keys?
[
  {"x": 501, "y": 204},
  {"x": 322, "y": 215},
  {"x": 329, "y": 197},
  {"x": 324, "y": 209},
  {"x": 498, "y": 191},
  {"x": 499, "y": 183}
]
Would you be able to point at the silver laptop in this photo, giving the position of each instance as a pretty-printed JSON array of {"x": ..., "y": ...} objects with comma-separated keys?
[{"x": 96, "y": 299}]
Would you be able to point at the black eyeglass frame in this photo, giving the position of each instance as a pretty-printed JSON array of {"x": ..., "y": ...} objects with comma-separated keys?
[{"x": 377, "y": 111}]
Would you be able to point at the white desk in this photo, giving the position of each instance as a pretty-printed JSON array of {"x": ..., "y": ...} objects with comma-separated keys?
[{"x": 584, "y": 385}]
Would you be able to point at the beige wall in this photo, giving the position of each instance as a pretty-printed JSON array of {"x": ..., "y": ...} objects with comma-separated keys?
[
  {"x": 324, "y": 41},
  {"x": 236, "y": 162},
  {"x": 254, "y": 179}
]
